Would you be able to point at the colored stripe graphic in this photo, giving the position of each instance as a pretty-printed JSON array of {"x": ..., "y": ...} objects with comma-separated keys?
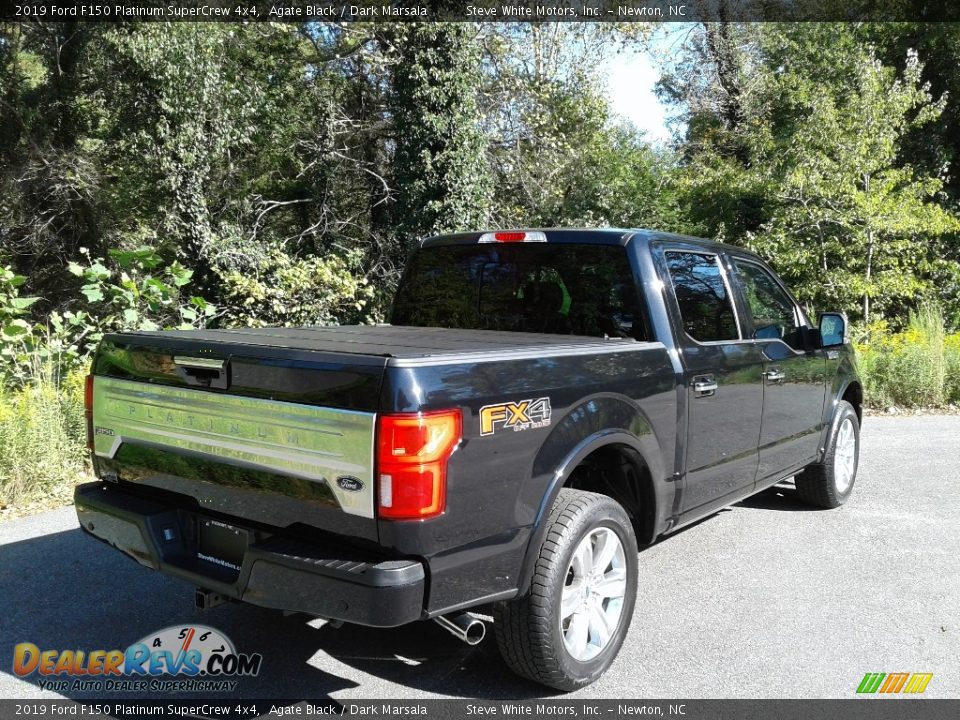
[
  {"x": 894, "y": 683},
  {"x": 870, "y": 682},
  {"x": 918, "y": 682}
]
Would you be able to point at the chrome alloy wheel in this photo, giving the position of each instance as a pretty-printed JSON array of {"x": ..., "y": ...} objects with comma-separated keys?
[
  {"x": 845, "y": 456},
  {"x": 592, "y": 598}
]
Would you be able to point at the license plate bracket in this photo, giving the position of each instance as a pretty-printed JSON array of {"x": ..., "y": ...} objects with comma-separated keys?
[{"x": 221, "y": 546}]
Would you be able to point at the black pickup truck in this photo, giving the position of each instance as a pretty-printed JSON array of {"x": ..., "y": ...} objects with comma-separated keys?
[{"x": 543, "y": 403}]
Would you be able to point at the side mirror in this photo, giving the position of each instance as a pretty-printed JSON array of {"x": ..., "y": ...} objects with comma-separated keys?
[{"x": 833, "y": 329}]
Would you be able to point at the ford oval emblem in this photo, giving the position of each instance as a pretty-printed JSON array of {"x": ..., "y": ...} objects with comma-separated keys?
[{"x": 348, "y": 482}]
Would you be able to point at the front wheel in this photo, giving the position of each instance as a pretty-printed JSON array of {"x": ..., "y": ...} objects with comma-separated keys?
[
  {"x": 828, "y": 484},
  {"x": 567, "y": 630}
]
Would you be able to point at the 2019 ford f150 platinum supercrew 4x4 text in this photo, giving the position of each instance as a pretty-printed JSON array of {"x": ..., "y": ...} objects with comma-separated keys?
[{"x": 543, "y": 403}]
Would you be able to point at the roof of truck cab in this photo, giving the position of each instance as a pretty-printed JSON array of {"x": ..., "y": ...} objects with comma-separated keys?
[
  {"x": 588, "y": 236},
  {"x": 389, "y": 341}
]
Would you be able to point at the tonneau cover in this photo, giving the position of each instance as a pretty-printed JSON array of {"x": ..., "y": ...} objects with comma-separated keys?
[{"x": 387, "y": 341}]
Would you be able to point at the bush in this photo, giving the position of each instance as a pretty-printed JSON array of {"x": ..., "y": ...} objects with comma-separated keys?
[
  {"x": 916, "y": 367},
  {"x": 282, "y": 290},
  {"x": 42, "y": 364},
  {"x": 132, "y": 290},
  {"x": 42, "y": 437},
  {"x": 951, "y": 346}
]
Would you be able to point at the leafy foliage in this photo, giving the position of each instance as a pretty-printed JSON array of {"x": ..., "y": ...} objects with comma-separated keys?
[
  {"x": 916, "y": 367},
  {"x": 16, "y": 332},
  {"x": 846, "y": 208},
  {"x": 187, "y": 175},
  {"x": 140, "y": 292},
  {"x": 438, "y": 165},
  {"x": 306, "y": 291},
  {"x": 42, "y": 437},
  {"x": 810, "y": 168}
]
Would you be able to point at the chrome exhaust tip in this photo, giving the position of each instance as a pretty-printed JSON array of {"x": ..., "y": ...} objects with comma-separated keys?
[{"x": 464, "y": 626}]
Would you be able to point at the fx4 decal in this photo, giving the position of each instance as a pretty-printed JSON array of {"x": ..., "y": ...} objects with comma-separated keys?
[{"x": 516, "y": 416}]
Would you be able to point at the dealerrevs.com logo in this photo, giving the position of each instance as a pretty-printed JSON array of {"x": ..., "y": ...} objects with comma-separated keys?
[{"x": 191, "y": 658}]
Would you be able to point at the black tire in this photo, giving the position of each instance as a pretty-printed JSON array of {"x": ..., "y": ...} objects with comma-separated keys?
[
  {"x": 528, "y": 628},
  {"x": 818, "y": 484}
]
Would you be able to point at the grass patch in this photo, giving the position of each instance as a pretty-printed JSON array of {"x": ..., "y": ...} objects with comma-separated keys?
[
  {"x": 42, "y": 439},
  {"x": 918, "y": 367}
]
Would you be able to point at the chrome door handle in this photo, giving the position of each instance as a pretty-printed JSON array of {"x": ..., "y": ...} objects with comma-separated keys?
[
  {"x": 774, "y": 375},
  {"x": 705, "y": 388}
]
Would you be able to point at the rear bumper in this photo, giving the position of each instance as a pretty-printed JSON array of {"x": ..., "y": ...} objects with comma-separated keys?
[{"x": 275, "y": 571}]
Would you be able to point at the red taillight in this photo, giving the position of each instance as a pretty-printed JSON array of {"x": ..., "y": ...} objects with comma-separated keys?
[
  {"x": 412, "y": 454},
  {"x": 88, "y": 409}
]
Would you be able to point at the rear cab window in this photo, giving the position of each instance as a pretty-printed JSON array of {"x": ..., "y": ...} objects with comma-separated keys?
[{"x": 562, "y": 288}]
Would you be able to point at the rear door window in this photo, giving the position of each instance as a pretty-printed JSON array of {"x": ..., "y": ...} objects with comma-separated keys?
[
  {"x": 526, "y": 287},
  {"x": 706, "y": 306}
]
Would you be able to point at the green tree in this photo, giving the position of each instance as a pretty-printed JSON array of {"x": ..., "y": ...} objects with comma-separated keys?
[
  {"x": 177, "y": 106},
  {"x": 556, "y": 154},
  {"x": 439, "y": 168},
  {"x": 812, "y": 172},
  {"x": 856, "y": 221},
  {"x": 50, "y": 185}
]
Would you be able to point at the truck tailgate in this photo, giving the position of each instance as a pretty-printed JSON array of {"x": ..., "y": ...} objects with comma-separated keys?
[{"x": 275, "y": 436}]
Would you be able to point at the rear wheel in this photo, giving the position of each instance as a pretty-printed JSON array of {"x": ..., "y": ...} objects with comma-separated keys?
[
  {"x": 567, "y": 630},
  {"x": 829, "y": 483}
]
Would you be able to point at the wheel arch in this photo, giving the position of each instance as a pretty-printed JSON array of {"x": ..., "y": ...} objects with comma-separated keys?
[
  {"x": 615, "y": 429},
  {"x": 845, "y": 385},
  {"x": 853, "y": 394}
]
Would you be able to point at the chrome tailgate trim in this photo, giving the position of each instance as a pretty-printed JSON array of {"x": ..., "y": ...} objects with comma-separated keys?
[{"x": 315, "y": 443}]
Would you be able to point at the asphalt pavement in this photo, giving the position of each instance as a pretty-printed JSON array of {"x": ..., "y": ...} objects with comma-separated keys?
[{"x": 767, "y": 598}]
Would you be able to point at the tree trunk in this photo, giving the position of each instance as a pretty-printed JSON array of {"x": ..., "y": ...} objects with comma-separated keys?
[
  {"x": 722, "y": 48},
  {"x": 866, "y": 292},
  {"x": 870, "y": 243}
]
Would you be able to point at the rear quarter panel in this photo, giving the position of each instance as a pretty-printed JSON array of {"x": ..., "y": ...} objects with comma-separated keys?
[{"x": 498, "y": 483}]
